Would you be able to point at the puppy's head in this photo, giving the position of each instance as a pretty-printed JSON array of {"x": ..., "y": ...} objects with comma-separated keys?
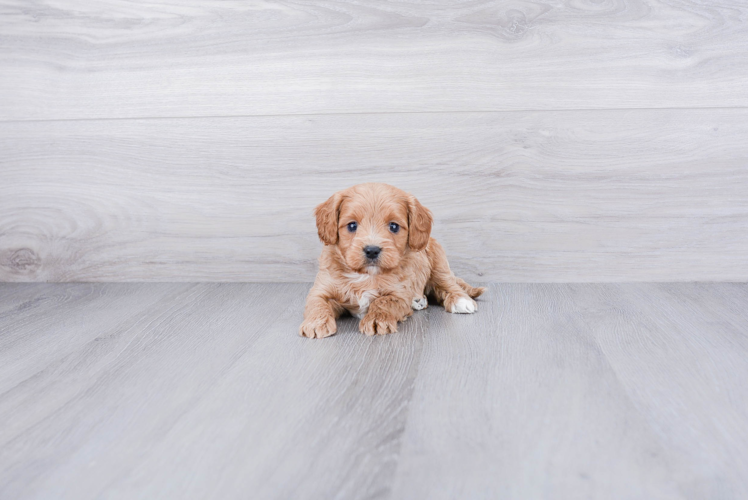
[{"x": 373, "y": 226}]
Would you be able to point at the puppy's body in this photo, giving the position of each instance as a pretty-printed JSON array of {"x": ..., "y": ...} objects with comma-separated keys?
[{"x": 379, "y": 263}]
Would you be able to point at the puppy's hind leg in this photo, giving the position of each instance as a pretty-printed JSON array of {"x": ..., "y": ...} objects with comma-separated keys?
[
  {"x": 473, "y": 291},
  {"x": 453, "y": 293}
]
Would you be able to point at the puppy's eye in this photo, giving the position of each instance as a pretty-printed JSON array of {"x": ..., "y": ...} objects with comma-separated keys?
[
  {"x": 394, "y": 227},
  {"x": 352, "y": 226}
]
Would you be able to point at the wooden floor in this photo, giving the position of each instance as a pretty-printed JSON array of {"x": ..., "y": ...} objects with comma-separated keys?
[{"x": 206, "y": 391}]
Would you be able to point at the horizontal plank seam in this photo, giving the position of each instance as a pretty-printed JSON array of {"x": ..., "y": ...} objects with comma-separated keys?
[{"x": 374, "y": 113}]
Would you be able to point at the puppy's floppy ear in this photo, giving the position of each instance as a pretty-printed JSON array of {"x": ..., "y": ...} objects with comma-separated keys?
[
  {"x": 327, "y": 219},
  {"x": 419, "y": 222}
]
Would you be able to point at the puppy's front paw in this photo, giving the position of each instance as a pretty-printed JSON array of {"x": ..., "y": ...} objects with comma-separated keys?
[
  {"x": 318, "y": 327},
  {"x": 460, "y": 304},
  {"x": 419, "y": 303},
  {"x": 377, "y": 324}
]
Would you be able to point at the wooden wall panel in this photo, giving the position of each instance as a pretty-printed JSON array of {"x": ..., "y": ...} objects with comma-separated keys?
[
  {"x": 66, "y": 59},
  {"x": 643, "y": 195}
]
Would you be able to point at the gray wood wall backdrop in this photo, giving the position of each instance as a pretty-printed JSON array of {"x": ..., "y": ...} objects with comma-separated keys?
[{"x": 579, "y": 140}]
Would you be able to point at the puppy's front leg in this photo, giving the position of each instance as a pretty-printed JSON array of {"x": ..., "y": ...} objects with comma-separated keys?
[
  {"x": 319, "y": 317},
  {"x": 384, "y": 313}
]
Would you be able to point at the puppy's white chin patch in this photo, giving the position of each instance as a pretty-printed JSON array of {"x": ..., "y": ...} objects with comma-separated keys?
[
  {"x": 419, "y": 303},
  {"x": 464, "y": 306},
  {"x": 372, "y": 270}
]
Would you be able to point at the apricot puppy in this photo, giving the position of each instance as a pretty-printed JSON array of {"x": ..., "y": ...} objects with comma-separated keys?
[{"x": 379, "y": 263}]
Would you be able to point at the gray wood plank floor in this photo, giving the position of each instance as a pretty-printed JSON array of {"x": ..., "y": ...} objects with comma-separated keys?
[{"x": 206, "y": 391}]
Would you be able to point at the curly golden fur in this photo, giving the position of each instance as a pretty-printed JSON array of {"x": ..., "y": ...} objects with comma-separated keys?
[{"x": 379, "y": 263}]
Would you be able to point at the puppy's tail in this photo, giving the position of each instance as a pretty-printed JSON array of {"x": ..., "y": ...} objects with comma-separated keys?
[{"x": 473, "y": 291}]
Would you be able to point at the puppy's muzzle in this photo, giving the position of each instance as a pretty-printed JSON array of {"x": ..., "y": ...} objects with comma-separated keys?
[{"x": 372, "y": 252}]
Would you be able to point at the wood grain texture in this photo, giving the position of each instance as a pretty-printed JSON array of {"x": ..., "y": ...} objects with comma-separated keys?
[
  {"x": 519, "y": 381},
  {"x": 139, "y": 381},
  {"x": 572, "y": 196},
  {"x": 626, "y": 391},
  {"x": 688, "y": 398},
  {"x": 206, "y": 391},
  {"x": 118, "y": 59}
]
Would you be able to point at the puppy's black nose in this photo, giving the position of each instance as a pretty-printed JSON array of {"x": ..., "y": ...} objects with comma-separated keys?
[{"x": 372, "y": 252}]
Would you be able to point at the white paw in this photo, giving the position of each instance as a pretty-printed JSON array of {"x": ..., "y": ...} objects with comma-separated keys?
[
  {"x": 419, "y": 303},
  {"x": 464, "y": 306}
]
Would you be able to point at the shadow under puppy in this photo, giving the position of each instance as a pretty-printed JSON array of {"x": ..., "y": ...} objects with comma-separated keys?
[{"x": 379, "y": 263}]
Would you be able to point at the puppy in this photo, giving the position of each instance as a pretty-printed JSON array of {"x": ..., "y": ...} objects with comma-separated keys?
[{"x": 379, "y": 263}]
